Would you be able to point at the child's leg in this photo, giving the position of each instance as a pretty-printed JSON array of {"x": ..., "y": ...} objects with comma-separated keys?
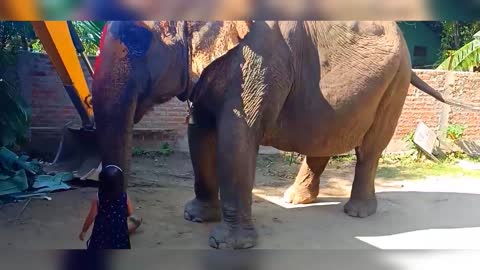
[{"x": 133, "y": 224}]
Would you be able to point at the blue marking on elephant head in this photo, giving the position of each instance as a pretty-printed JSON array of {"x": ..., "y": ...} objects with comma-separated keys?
[{"x": 136, "y": 38}]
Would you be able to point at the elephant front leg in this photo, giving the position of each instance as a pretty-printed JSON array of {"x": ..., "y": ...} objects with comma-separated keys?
[
  {"x": 306, "y": 187},
  {"x": 206, "y": 206},
  {"x": 362, "y": 201},
  {"x": 236, "y": 161}
]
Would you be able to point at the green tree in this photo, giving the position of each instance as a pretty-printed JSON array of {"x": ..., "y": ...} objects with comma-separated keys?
[
  {"x": 457, "y": 39},
  {"x": 14, "y": 113},
  {"x": 89, "y": 33},
  {"x": 16, "y": 37},
  {"x": 463, "y": 59}
]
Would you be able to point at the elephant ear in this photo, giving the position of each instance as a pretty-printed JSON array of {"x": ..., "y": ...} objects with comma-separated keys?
[
  {"x": 210, "y": 40},
  {"x": 243, "y": 28},
  {"x": 168, "y": 28}
]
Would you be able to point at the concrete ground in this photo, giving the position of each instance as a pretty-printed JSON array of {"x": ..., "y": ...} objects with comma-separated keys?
[{"x": 432, "y": 213}]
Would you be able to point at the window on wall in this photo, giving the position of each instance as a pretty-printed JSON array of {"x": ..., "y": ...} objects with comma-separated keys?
[{"x": 420, "y": 51}]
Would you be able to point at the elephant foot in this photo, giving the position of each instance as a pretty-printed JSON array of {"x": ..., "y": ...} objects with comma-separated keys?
[
  {"x": 198, "y": 211},
  {"x": 297, "y": 194},
  {"x": 360, "y": 208},
  {"x": 226, "y": 237}
]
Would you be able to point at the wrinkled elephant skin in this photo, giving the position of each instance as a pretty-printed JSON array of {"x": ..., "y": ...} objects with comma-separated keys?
[
  {"x": 315, "y": 88},
  {"x": 143, "y": 63}
]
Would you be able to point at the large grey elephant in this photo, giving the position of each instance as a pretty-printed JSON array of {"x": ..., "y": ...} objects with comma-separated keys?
[
  {"x": 316, "y": 88},
  {"x": 143, "y": 63}
]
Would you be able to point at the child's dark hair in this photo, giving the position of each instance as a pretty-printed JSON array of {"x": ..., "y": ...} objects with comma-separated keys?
[{"x": 111, "y": 184}]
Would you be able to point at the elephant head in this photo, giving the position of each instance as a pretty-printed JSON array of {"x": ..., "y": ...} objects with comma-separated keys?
[{"x": 143, "y": 63}]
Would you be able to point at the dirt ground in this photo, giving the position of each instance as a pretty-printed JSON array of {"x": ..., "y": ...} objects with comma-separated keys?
[{"x": 434, "y": 212}]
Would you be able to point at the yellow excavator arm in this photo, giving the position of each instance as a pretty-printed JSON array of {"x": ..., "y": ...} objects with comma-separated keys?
[
  {"x": 78, "y": 151},
  {"x": 57, "y": 41},
  {"x": 63, "y": 48},
  {"x": 26, "y": 10}
]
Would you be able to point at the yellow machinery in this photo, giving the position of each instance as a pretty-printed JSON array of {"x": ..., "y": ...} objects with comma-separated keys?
[
  {"x": 78, "y": 148},
  {"x": 27, "y": 10},
  {"x": 57, "y": 42}
]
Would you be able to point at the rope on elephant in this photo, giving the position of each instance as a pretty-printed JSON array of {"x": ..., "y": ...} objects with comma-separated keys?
[{"x": 424, "y": 87}]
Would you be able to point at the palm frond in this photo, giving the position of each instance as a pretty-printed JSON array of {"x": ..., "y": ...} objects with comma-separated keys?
[
  {"x": 89, "y": 33},
  {"x": 90, "y": 30},
  {"x": 464, "y": 59}
]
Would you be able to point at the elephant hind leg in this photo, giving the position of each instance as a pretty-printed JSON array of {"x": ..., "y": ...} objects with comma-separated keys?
[
  {"x": 306, "y": 187},
  {"x": 362, "y": 201}
]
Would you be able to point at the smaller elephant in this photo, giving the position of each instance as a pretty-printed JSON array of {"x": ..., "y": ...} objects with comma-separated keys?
[{"x": 315, "y": 88}]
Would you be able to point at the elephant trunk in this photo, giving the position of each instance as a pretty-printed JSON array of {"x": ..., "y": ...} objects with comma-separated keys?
[
  {"x": 114, "y": 125},
  {"x": 114, "y": 100}
]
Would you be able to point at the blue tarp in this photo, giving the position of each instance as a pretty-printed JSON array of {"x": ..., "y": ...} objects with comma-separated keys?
[
  {"x": 49, "y": 183},
  {"x": 13, "y": 183},
  {"x": 19, "y": 176}
]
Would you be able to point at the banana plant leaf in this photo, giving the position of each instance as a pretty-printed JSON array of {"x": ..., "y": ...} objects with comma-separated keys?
[
  {"x": 89, "y": 33},
  {"x": 464, "y": 59},
  {"x": 90, "y": 30}
]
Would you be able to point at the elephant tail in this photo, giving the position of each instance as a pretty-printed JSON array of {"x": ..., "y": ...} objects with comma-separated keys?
[{"x": 424, "y": 87}]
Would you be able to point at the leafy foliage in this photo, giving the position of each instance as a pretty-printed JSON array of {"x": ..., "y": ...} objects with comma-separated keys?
[
  {"x": 463, "y": 59},
  {"x": 137, "y": 152},
  {"x": 164, "y": 150},
  {"x": 36, "y": 46},
  {"x": 14, "y": 118},
  {"x": 455, "y": 132},
  {"x": 20, "y": 36},
  {"x": 409, "y": 137},
  {"x": 15, "y": 36},
  {"x": 458, "y": 42},
  {"x": 456, "y": 34},
  {"x": 89, "y": 33},
  {"x": 14, "y": 113}
]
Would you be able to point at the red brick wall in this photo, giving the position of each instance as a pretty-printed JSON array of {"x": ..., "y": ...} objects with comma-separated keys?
[
  {"x": 463, "y": 86},
  {"x": 467, "y": 89},
  {"x": 51, "y": 107},
  {"x": 420, "y": 106}
]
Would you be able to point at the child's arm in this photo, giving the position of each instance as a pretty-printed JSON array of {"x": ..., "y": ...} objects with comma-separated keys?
[
  {"x": 89, "y": 219},
  {"x": 129, "y": 207}
]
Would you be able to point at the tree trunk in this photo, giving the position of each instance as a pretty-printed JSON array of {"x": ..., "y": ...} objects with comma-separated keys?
[{"x": 456, "y": 35}]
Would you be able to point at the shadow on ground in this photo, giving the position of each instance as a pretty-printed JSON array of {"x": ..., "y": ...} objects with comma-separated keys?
[{"x": 429, "y": 213}]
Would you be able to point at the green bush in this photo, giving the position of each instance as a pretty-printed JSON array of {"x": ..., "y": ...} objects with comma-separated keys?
[
  {"x": 455, "y": 132},
  {"x": 14, "y": 112}
]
